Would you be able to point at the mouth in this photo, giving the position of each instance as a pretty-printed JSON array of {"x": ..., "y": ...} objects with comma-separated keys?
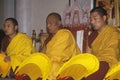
[
  {"x": 94, "y": 26},
  {"x": 6, "y": 32},
  {"x": 49, "y": 30}
]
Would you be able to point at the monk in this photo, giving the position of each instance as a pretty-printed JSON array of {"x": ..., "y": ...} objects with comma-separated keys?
[
  {"x": 20, "y": 45},
  {"x": 61, "y": 46},
  {"x": 103, "y": 42}
]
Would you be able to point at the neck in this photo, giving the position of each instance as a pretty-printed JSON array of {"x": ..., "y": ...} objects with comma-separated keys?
[
  {"x": 55, "y": 32},
  {"x": 59, "y": 27},
  {"x": 12, "y": 36}
]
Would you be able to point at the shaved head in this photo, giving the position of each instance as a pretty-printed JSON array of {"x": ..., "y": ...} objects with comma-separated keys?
[
  {"x": 56, "y": 15},
  {"x": 53, "y": 22}
]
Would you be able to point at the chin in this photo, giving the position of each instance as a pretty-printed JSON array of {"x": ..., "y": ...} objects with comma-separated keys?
[
  {"x": 49, "y": 31},
  {"x": 95, "y": 28}
]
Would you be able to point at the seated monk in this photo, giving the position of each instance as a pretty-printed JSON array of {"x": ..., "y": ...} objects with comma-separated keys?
[
  {"x": 103, "y": 43},
  {"x": 61, "y": 46},
  {"x": 20, "y": 45}
]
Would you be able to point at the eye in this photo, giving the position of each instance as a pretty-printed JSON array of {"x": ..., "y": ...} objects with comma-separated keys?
[{"x": 90, "y": 19}]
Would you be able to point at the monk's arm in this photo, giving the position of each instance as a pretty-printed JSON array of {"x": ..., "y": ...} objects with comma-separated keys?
[
  {"x": 22, "y": 53},
  {"x": 110, "y": 53}
]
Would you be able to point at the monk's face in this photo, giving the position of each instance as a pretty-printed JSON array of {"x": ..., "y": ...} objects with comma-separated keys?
[
  {"x": 97, "y": 21},
  {"x": 9, "y": 28},
  {"x": 52, "y": 24}
]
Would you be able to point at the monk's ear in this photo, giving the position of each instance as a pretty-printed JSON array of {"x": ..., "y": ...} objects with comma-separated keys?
[
  {"x": 16, "y": 27},
  {"x": 105, "y": 18},
  {"x": 59, "y": 23}
]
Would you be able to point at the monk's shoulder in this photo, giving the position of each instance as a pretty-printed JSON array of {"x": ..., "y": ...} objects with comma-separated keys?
[
  {"x": 114, "y": 32},
  {"x": 113, "y": 28},
  {"x": 64, "y": 32},
  {"x": 23, "y": 36}
]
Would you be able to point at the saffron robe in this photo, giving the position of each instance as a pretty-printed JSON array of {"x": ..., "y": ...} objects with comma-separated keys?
[
  {"x": 60, "y": 49},
  {"x": 19, "y": 49},
  {"x": 106, "y": 45}
]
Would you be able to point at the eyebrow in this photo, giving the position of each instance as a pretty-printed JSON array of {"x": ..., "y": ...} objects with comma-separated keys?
[{"x": 94, "y": 16}]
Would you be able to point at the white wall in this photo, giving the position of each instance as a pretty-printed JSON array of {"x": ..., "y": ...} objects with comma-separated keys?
[
  {"x": 6, "y": 10},
  {"x": 23, "y": 15},
  {"x": 40, "y": 10},
  {"x": 9, "y": 8}
]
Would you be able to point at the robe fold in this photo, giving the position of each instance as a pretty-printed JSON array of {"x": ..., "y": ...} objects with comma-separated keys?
[
  {"x": 19, "y": 49},
  {"x": 60, "y": 49}
]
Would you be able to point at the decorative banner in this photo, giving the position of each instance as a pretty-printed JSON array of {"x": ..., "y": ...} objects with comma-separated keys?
[{"x": 77, "y": 13}]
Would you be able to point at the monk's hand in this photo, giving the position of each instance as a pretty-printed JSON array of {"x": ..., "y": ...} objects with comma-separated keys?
[{"x": 7, "y": 59}]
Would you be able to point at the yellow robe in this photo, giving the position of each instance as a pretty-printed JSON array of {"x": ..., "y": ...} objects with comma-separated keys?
[
  {"x": 19, "y": 49},
  {"x": 60, "y": 49},
  {"x": 106, "y": 45}
]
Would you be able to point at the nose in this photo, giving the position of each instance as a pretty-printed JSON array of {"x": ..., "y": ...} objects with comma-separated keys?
[
  {"x": 92, "y": 21},
  {"x": 5, "y": 28}
]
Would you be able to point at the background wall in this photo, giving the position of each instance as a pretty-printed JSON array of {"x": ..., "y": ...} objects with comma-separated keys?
[
  {"x": 6, "y": 10},
  {"x": 31, "y": 14}
]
